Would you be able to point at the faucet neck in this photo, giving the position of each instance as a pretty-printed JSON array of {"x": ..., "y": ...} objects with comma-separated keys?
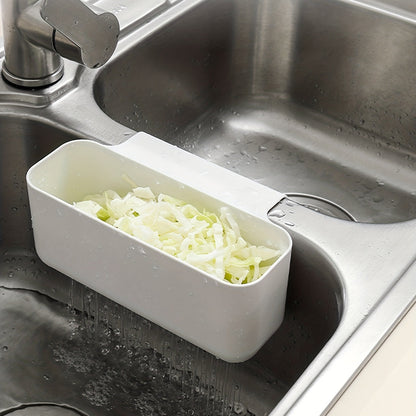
[
  {"x": 28, "y": 63},
  {"x": 37, "y": 33}
]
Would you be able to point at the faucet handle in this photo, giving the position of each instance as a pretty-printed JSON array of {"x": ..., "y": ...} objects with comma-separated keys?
[{"x": 86, "y": 36}]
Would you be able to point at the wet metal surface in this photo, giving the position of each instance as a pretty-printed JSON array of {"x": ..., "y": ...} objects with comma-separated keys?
[
  {"x": 90, "y": 357},
  {"x": 270, "y": 93},
  {"x": 242, "y": 84},
  {"x": 50, "y": 350}
]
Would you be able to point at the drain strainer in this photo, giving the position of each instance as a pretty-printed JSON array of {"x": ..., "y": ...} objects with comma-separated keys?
[
  {"x": 39, "y": 409},
  {"x": 322, "y": 205}
]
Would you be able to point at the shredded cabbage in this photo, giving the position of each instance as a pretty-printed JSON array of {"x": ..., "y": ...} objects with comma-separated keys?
[{"x": 201, "y": 238}]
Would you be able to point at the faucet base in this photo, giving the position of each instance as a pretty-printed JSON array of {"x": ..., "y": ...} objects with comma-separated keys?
[{"x": 33, "y": 82}]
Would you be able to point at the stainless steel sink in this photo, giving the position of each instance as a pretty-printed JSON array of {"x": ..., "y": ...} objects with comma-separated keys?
[
  {"x": 303, "y": 96},
  {"x": 35, "y": 326}
]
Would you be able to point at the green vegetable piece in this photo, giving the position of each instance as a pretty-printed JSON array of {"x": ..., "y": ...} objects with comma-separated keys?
[{"x": 210, "y": 242}]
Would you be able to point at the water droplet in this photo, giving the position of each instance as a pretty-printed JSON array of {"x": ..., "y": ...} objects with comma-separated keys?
[
  {"x": 289, "y": 224},
  {"x": 377, "y": 198},
  {"x": 262, "y": 148},
  {"x": 239, "y": 409},
  {"x": 278, "y": 213},
  {"x": 46, "y": 377},
  {"x": 10, "y": 275},
  {"x": 5, "y": 348}
]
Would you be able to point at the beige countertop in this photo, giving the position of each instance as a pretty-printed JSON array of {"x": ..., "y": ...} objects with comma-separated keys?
[{"x": 387, "y": 384}]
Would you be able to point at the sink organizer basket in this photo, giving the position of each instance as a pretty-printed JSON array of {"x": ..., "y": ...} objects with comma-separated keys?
[{"x": 230, "y": 321}]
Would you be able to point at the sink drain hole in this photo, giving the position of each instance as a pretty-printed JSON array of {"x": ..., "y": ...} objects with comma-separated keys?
[
  {"x": 43, "y": 409},
  {"x": 321, "y": 205}
]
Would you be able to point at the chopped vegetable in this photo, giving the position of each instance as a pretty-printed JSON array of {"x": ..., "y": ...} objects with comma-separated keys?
[{"x": 209, "y": 242}]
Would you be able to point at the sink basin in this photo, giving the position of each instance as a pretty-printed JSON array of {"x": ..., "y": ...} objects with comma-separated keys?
[
  {"x": 300, "y": 96},
  {"x": 305, "y": 97},
  {"x": 45, "y": 327}
]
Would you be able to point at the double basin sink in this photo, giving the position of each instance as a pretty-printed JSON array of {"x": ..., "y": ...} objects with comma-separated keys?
[{"x": 307, "y": 97}]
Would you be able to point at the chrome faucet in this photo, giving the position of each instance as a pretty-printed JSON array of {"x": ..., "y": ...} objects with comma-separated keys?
[{"x": 37, "y": 33}]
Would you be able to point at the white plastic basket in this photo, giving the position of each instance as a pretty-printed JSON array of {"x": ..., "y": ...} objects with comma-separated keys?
[{"x": 230, "y": 321}]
